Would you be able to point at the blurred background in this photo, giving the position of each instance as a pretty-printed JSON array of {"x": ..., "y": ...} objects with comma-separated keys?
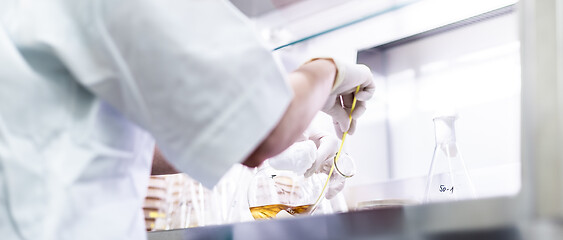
[{"x": 428, "y": 57}]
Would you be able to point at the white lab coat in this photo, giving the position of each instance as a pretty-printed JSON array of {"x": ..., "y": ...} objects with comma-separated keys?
[{"x": 87, "y": 86}]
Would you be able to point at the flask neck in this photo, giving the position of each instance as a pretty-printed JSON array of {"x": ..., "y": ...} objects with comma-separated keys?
[{"x": 445, "y": 130}]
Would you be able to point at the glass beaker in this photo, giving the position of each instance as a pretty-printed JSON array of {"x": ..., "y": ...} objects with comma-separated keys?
[
  {"x": 448, "y": 179},
  {"x": 155, "y": 204},
  {"x": 273, "y": 193}
]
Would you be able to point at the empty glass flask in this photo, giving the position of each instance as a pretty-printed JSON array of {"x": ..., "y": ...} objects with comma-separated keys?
[{"x": 448, "y": 179}]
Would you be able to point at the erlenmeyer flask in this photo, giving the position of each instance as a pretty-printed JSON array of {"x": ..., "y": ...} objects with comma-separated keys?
[{"x": 448, "y": 179}]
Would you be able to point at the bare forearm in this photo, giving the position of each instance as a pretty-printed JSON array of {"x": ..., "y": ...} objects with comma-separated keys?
[
  {"x": 311, "y": 84},
  {"x": 160, "y": 165}
]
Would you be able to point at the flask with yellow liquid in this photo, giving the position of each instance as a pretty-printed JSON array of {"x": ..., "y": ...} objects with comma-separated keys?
[{"x": 274, "y": 193}]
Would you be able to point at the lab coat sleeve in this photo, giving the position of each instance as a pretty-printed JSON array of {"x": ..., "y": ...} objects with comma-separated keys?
[{"x": 193, "y": 73}]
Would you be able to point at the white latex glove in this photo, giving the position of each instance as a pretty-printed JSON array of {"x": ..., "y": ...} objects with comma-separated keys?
[
  {"x": 297, "y": 158},
  {"x": 339, "y": 103},
  {"x": 314, "y": 155},
  {"x": 327, "y": 147},
  {"x": 337, "y": 181}
]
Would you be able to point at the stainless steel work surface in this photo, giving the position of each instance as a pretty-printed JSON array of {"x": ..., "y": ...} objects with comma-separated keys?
[
  {"x": 439, "y": 221},
  {"x": 358, "y": 225}
]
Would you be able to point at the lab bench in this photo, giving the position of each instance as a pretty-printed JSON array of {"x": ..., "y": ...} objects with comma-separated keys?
[{"x": 495, "y": 218}]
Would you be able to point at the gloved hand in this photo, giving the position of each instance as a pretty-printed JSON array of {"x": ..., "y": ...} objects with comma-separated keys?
[
  {"x": 339, "y": 103},
  {"x": 327, "y": 148},
  {"x": 337, "y": 181},
  {"x": 313, "y": 155},
  {"x": 297, "y": 158}
]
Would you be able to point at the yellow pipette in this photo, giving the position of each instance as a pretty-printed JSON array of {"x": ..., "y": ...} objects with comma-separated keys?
[{"x": 339, "y": 151}]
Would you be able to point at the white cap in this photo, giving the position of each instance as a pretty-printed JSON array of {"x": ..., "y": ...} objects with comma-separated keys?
[{"x": 444, "y": 127}]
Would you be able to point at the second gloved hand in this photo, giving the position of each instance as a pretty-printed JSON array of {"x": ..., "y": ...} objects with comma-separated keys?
[
  {"x": 336, "y": 181},
  {"x": 327, "y": 147},
  {"x": 297, "y": 158},
  {"x": 314, "y": 155}
]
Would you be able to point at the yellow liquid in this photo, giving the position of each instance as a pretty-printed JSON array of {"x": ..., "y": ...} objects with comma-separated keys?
[{"x": 270, "y": 211}]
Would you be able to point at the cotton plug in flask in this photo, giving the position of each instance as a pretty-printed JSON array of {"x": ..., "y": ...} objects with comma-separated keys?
[{"x": 448, "y": 179}]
